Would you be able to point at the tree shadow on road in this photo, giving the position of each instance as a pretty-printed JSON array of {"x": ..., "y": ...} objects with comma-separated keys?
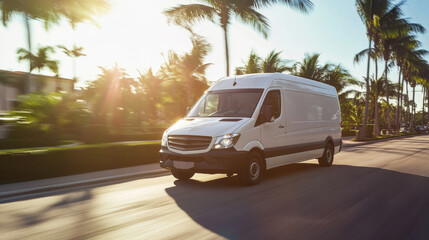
[
  {"x": 34, "y": 218},
  {"x": 304, "y": 201},
  {"x": 76, "y": 188}
]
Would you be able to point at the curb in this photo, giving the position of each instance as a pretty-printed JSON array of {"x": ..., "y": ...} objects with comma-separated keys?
[
  {"x": 376, "y": 141},
  {"x": 81, "y": 183}
]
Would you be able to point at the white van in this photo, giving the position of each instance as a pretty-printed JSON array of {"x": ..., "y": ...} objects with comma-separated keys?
[{"x": 250, "y": 123}]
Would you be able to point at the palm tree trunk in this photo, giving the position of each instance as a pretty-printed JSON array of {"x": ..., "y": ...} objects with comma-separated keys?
[
  {"x": 427, "y": 95},
  {"x": 362, "y": 132},
  {"x": 357, "y": 112},
  {"x": 376, "y": 130},
  {"x": 376, "y": 115},
  {"x": 389, "y": 126},
  {"x": 423, "y": 106},
  {"x": 413, "y": 109},
  {"x": 225, "y": 35},
  {"x": 407, "y": 117},
  {"x": 398, "y": 106},
  {"x": 402, "y": 112},
  {"x": 29, "y": 78},
  {"x": 74, "y": 69}
]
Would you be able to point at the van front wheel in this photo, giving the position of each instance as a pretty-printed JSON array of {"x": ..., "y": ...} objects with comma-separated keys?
[
  {"x": 328, "y": 156},
  {"x": 182, "y": 175},
  {"x": 251, "y": 172}
]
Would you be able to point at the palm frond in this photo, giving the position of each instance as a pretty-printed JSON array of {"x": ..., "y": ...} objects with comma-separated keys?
[
  {"x": 359, "y": 57},
  {"x": 302, "y": 5},
  {"x": 190, "y": 14},
  {"x": 252, "y": 17}
]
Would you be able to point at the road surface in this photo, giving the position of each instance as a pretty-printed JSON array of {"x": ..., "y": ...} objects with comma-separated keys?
[{"x": 375, "y": 191}]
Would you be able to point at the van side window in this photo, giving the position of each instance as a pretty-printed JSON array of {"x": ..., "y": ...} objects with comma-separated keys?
[{"x": 273, "y": 98}]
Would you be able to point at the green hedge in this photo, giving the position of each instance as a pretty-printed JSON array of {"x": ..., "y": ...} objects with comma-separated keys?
[
  {"x": 100, "y": 134},
  {"x": 348, "y": 133},
  {"x": 135, "y": 137},
  {"x": 54, "y": 162}
]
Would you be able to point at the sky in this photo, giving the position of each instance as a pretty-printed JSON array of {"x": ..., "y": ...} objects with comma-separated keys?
[{"x": 135, "y": 35}]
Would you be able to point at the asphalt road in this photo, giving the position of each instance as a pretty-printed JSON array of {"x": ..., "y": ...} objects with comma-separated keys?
[{"x": 375, "y": 191}]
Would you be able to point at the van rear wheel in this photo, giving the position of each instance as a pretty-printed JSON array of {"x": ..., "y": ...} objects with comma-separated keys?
[
  {"x": 252, "y": 170},
  {"x": 182, "y": 175},
  {"x": 328, "y": 156}
]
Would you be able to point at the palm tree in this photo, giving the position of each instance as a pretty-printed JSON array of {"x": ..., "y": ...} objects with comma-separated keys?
[
  {"x": 394, "y": 30},
  {"x": 184, "y": 75},
  {"x": 425, "y": 83},
  {"x": 105, "y": 94},
  {"x": 273, "y": 63},
  {"x": 221, "y": 12},
  {"x": 149, "y": 89},
  {"x": 270, "y": 64},
  {"x": 374, "y": 55},
  {"x": 74, "y": 53},
  {"x": 253, "y": 65},
  {"x": 50, "y": 12},
  {"x": 412, "y": 70},
  {"x": 310, "y": 68},
  {"x": 340, "y": 78},
  {"x": 383, "y": 21},
  {"x": 400, "y": 49},
  {"x": 369, "y": 10},
  {"x": 40, "y": 60},
  {"x": 193, "y": 67}
]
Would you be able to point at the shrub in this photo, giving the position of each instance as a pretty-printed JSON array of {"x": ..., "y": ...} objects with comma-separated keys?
[
  {"x": 95, "y": 133},
  {"x": 348, "y": 132},
  {"x": 55, "y": 162}
]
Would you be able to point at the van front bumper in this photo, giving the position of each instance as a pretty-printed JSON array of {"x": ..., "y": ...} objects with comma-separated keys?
[{"x": 214, "y": 161}]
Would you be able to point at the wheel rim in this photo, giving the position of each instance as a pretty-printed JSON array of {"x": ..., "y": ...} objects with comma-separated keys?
[
  {"x": 329, "y": 155},
  {"x": 254, "y": 169}
]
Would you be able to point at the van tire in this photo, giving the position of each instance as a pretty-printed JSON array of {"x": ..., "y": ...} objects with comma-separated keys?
[
  {"x": 182, "y": 175},
  {"x": 252, "y": 169},
  {"x": 328, "y": 156}
]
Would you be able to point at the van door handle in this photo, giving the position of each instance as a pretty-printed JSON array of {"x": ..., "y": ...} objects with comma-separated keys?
[{"x": 281, "y": 126}]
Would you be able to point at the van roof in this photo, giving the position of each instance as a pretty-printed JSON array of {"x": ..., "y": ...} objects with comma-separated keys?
[{"x": 268, "y": 80}]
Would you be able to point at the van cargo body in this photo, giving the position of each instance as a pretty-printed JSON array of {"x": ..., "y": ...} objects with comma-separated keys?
[{"x": 250, "y": 123}]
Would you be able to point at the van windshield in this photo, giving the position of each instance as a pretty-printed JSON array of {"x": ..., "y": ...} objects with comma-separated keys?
[{"x": 227, "y": 103}]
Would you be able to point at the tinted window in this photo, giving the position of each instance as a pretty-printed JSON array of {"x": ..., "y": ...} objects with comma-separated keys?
[{"x": 274, "y": 99}]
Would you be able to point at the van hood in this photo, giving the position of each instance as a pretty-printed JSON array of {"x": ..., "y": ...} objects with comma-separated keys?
[{"x": 208, "y": 126}]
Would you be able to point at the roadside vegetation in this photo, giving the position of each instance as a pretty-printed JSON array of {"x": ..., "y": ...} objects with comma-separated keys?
[
  {"x": 30, "y": 164},
  {"x": 117, "y": 107}
]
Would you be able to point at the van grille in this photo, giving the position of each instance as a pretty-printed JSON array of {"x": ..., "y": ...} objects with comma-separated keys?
[{"x": 188, "y": 142}]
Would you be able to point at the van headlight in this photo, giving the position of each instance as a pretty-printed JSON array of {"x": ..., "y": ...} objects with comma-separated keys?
[
  {"x": 164, "y": 139},
  {"x": 226, "y": 141}
]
